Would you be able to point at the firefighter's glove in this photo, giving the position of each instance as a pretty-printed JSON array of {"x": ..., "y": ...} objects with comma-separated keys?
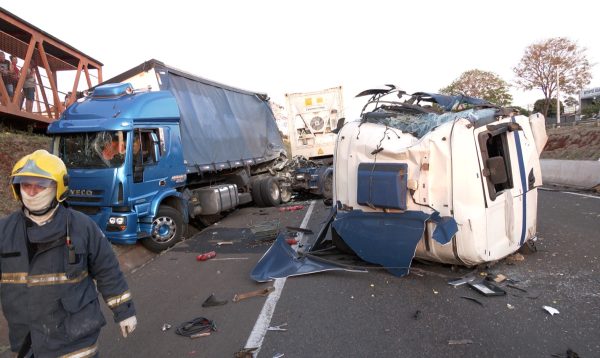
[{"x": 128, "y": 325}]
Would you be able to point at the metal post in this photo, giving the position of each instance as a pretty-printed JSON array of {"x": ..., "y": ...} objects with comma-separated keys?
[{"x": 557, "y": 99}]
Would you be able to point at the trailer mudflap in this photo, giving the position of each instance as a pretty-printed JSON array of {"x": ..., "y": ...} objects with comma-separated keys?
[
  {"x": 387, "y": 239},
  {"x": 282, "y": 261},
  {"x": 390, "y": 239}
]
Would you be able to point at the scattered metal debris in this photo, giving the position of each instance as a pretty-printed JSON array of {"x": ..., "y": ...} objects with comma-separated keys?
[
  {"x": 198, "y": 327},
  {"x": 262, "y": 292},
  {"x": 211, "y": 301},
  {"x": 473, "y": 299},
  {"x": 299, "y": 229},
  {"x": 278, "y": 355},
  {"x": 278, "y": 328},
  {"x": 166, "y": 327},
  {"x": 551, "y": 310},
  {"x": 461, "y": 281},
  {"x": 221, "y": 243},
  {"x": 487, "y": 288},
  {"x": 454, "y": 342}
]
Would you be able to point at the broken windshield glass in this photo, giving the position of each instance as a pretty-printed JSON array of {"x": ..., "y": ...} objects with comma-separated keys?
[
  {"x": 419, "y": 124},
  {"x": 92, "y": 149}
]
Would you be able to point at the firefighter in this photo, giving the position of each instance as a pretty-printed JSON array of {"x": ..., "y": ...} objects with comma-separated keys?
[{"x": 50, "y": 256}]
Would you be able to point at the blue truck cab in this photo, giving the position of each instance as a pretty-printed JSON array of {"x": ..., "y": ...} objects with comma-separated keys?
[
  {"x": 143, "y": 163},
  {"x": 121, "y": 189}
]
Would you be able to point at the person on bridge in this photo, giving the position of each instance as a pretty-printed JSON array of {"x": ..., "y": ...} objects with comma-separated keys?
[{"x": 50, "y": 256}]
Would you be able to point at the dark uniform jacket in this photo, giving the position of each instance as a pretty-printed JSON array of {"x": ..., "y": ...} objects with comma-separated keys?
[{"x": 52, "y": 296}]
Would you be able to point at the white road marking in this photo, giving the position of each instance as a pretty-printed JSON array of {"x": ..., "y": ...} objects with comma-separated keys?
[
  {"x": 263, "y": 321},
  {"x": 585, "y": 195}
]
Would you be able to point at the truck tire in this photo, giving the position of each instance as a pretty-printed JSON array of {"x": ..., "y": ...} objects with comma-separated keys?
[
  {"x": 269, "y": 189},
  {"x": 167, "y": 229},
  {"x": 256, "y": 193}
]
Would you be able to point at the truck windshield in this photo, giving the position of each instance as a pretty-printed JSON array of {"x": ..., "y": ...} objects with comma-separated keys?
[{"x": 92, "y": 149}]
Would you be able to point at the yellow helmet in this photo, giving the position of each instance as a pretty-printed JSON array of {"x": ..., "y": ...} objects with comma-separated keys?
[{"x": 41, "y": 164}]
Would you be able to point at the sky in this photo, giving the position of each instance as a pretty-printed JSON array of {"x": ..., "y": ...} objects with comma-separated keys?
[{"x": 279, "y": 47}]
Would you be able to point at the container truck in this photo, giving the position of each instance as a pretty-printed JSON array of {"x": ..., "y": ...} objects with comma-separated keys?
[
  {"x": 312, "y": 121},
  {"x": 142, "y": 163}
]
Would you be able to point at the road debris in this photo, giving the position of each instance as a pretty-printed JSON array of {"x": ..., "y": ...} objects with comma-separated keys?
[
  {"x": 262, "y": 292},
  {"x": 278, "y": 328},
  {"x": 166, "y": 327},
  {"x": 265, "y": 231},
  {"x": 551, "y": 310},
  {"x": 569, "y": 354},
  {"x": 516, "y": 257},
  {"x": 510, "y": 307},
  {"x": 291, "y": 241},
  {"x": 299, "y": 229},
  {"x": 278, "y": 355},
  {"x": 197, "y": 327},
  {"x": 417, "y": 315},
  {"x": 206, "y": 256},
  {"x": 473, "y": 299},
  {"x": 291, "y": 208},
  {"x": 245, "y": 353},
  {"x": 211, "y": 301},
  {"x": 454, "y": 342},
  {"x": 221, "y": 243},
  {"x": 499, "y": 278},
  {"x": 487, "y": 288},
  {"x": 461, "y": 281}
]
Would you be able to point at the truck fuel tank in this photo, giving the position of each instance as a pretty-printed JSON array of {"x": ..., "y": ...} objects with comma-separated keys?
[{"x": 216, "y": 199}]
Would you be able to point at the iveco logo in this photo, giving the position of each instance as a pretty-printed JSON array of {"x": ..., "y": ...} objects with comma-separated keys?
[{"x": 81, "y": 192}]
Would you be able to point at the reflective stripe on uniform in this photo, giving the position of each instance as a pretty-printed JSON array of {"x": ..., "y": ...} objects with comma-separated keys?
[
  {"x": 82, "y": 353},
  {"x": 114, "y": 301},
  {"x": 41, "y": 280}
]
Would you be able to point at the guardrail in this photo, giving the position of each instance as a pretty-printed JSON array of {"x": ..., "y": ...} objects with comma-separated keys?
[{"x": 583, "y": 122}]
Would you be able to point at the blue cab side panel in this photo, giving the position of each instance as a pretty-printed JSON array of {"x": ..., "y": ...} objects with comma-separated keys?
[{"x": 382, "y": 185}]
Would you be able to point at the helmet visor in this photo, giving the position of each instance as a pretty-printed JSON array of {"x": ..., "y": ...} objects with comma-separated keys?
[{"x": 43, "y": 182}]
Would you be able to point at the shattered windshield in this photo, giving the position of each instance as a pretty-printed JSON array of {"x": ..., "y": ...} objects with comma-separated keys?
[
  {"x": 92, "y": 150},
  {"x": 419, "y": 124}
]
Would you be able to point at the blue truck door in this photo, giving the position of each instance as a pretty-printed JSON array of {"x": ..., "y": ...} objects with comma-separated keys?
[{"x": 148, "y": 176}]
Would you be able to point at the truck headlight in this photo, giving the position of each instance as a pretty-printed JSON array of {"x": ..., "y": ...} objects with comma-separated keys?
[{"x": 116, "y": 223}]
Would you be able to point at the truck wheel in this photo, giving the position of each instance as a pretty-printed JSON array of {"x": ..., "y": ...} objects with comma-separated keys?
[
  {"x": 269, "y": 189},
  {"x": 167, "y": 230},
  {"x": 256, "y": 193},
  {"x": 286, "y": 193}
]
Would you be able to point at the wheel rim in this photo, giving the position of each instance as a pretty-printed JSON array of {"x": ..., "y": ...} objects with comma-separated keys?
[
  {"x": 163, "y": 229},
  {"x": 274, "y": 191}
]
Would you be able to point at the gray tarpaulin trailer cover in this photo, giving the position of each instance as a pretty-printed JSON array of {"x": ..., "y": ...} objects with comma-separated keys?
[{"x": 221, "y": 126}]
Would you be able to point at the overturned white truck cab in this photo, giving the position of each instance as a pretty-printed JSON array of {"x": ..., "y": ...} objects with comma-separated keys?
[{"x": 451, "y": 179}]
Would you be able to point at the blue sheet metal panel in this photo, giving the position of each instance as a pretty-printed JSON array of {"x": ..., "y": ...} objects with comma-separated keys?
[
  {"x": 382, "y": 185},
  {"x": 390, "y": 239},
  {"x": 282, "y": 261}
]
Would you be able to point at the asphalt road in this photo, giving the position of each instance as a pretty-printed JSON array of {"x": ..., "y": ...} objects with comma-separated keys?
[{"x": 374, "y": 314}]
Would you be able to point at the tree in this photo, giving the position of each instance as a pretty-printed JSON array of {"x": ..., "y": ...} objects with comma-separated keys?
[
  {"x": 541, "y": 61},
  {"x": 542, "y": 103},
  {"x": 480, "y": 84}
]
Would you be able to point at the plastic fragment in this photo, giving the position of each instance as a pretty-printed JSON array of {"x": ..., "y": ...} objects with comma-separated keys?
[{"x": 551, "y": 310}]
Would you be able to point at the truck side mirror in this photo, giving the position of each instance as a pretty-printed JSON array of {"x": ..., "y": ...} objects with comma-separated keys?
[
  {"x": 340, "y": 124},
  {"x": 155, "y": 143},
  {"x": 496, "y": 170}
]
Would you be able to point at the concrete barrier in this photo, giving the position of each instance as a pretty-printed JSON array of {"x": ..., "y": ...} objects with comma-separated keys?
[{"x": 573, "y": 173}]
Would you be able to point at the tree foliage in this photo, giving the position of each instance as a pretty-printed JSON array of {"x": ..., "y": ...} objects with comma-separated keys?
[
  {"x": 539, "y": 65},
  {"x": 540, "y": 104},
  {"x": 480, "y": 84}
]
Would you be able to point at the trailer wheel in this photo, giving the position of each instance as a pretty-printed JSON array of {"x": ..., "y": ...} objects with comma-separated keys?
[
  {"x": 167, "y": 229},
  {"x": 257, "y": 193},
  {"x": 269, "y": 189}
]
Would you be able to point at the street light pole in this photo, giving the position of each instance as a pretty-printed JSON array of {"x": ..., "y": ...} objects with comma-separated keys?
[{"x": 557, "y": 99}]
